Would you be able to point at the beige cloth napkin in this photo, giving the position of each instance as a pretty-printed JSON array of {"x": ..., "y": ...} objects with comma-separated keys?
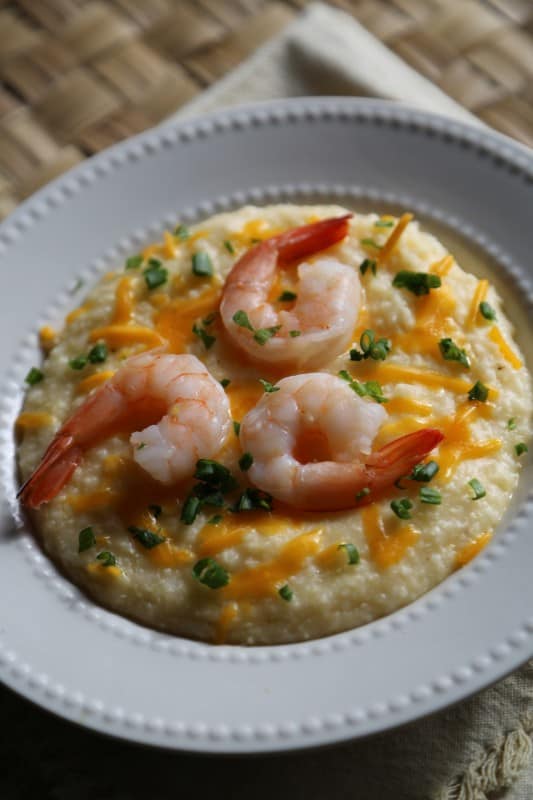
[{"x": 478, "y": 748}]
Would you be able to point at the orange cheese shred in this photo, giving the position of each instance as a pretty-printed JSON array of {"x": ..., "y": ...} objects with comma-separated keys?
[
  {"x": 478, "y": 297},
  {"x": 92, "y": 381},
  {"x": 442, "y": 267},
  {"x": 471, "y": 550},
  {"x": 93, "y": 501},
  {"x": 123, "y": 335},
  {"x": 123, "y": 301},
  {"x": 396, "y": 373},
  {"x": 386, "y": 549},
  {"x": 394, "y": 237},
  {"x": 31, "y": 420},
  {"x": 495, "y": 335}
]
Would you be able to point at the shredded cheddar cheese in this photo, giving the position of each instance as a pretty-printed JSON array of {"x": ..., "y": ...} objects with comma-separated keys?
[
  {"x": 92, "y": 381},
  {"x": 386, "y": 549},
  {"x": 495, "y": 335},
  {"x": 478, "y": 297},
  {"x": 394, "y": 238},
  {"x": 31, "y": 420},
  {"x": 123, "y": 335},
  {"x": 471, "y": 550}
]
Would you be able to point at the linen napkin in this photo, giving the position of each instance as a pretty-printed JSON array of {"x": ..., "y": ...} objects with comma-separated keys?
[{"x": 478, "y": 748}]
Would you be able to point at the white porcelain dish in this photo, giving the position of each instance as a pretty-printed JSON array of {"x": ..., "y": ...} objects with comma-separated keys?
[{"x": 474, "y": 188}]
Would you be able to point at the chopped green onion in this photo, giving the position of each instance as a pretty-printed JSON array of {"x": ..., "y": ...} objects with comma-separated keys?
[
  {"x": 430, "y": 495},
  {"x": 450, "y": 352},
  {"x": 351, "y": 551},
  {"x": 210, "y": 573},
  {"x": 86, "y": 539},
  {"x": 511, "y": 424},
  {"x": 294, "y": 334},
  {"x": 155, "y": 275},
  {"x": 268, "y": 387},
  {"x": 424, "y": 472},
  {"x": 253, "y": 498},
  {"x": 207, "y": 339},
  {"x": 378, "y": 351},
  {"x": 417, "y": 282},
  {"x": 384, "y": 223},
  {"x": 78, "y": 363},
  {"x": 202, "y": 264},
  {"x": 401, "y": 508},
  {"x": 477, "y": 488},
  {"x": 229, "y": 247},
  {"x": 368, "y": 264},
  {"x": 286, "y": 297},
  {"x": 34, "y": 376},
  {"x": 371, "y": 243},
  {"x": 215, "y": 520},
  {"x": 148, "y": 539},
  {"x": 363, "y": 493},
  {"x": 225, "y": 382},
  {"x": 210, "y": 318},
  {"x": 479, "y": 392},
  {"x": 182, "y": 232},
  {"x": 369, "y": 389},
  {"x": 98, "y": 353},
  {"x": 107, "y": 558},
  {"x": 141, "y": 445},
  {"x": 520, "y": 448},
  {"x": 262, "y": 335},
  {"x": 133, "y": 262},
  {"x": 487, "y": 311},
  {"x": 286, "y": 593},
  {"x": 246, "y": 461},
  {"x": 215, "y": 474},
  {"x": 236, "y": 427},
  {"x": 241, "y": 318},
  {"x": 155, "y": 510},
  {"x": 191, "y": 509}
]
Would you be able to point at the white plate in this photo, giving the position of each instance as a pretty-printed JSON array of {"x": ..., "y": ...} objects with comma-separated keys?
[{"x": 88, "y": 665}]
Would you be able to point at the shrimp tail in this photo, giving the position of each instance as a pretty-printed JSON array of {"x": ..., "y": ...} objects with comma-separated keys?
[
  {"x": 308, "y": 239},
  {"x": 397, "y": 458},
  {"x": 59, "y": 462}
]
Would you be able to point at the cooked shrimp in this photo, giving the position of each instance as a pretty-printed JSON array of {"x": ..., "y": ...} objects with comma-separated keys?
[
  {"x": 326, "y": 308},
  {"x": 310, "y": 444},
  {"x": 186, "y": 412}
]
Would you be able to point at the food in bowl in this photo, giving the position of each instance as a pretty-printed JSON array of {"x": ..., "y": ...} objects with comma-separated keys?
[{"x": 275, "y": 425}]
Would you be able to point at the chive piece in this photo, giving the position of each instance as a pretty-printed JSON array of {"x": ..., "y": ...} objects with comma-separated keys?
[
  {"x": 141, "y": 445},
  {"x": 107, "y": 558},
  {"x": 236, "y": 427},
  {"x": 450, "y": 352},
  {"x": 487, "y": 311},
  {"x": 98, "y": 353},
  {"x": 384, "y": 223},
  {"x": 34, "y": 376},
  {"x": 182, "y": 232},
  {"x": 86, "y": 539},
  {"x": 225, "y": 382},
  {"x": 511, "y": 424},
  {"x": 155, "y": 510},
  {"x": 368, "y": 264},
  {"x": 78, "y": 363},
  {"x": 241, "y": 318},
  {"x": 268, "y": 387},
  {"x": 229, "y": 247},
  {"x": 477, "y": 488},
  {"x": 215, "y": 520},
  {"x": 479, "y": 392},
  {"x": 133, "y": 262},
  {"x": 401, "y": 508},
  {"x": 251, "y": 499},
  {"x": 369, "y": 389},
  {"x": 210, "y": 318},
  {"x": 417, "y": 282},
  {"x": 286, "y": 297},
  {"x": 148, "y": 539},
  {"x": 424, "y": 472},
  {"x": 351, "y": 551},
  {"x": 371, "y": 243},
  {"x": 155, "y": 275},
  {"x": 363, "y": 493},
  {"x": 286, "y": 593},
  {"x": 246, "y": 461},
  {"x": 202, "y": 264},
  {"x": 207, "y": 340},
  {"x": 430, "y": 495},
  {"x": 520, "y": 448},
  {"x": 210, "y": 573},
  {"x": 215, "y": 474},
  {"x": 378, "y": 351},
  {"x": 190, "y": 509},
  {"x": 294, "y": 334},
  {"x": 262, "y": 335}
]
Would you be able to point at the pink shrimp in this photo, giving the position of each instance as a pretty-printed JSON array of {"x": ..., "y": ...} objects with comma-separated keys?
[
  {"x": 321, "y": 323},
  {"x": 185, "y": 409},
  {"x": 309, "y": 442}
]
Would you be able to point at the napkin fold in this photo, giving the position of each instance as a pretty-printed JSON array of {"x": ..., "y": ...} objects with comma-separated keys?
[{"x": 481, "y": 747}]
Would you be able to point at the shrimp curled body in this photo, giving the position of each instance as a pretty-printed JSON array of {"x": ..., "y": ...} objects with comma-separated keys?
[
  {"x": 181, "y": 413},
  {"x": 326, "y": 308},
  {"x": 308, "y": 442}
]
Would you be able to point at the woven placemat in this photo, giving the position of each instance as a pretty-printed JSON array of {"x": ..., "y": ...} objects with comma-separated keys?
[{"x": 80, "y": 75}]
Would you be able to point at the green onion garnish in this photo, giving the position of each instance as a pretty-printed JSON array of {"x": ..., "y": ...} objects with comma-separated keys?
[
  {"x": 351, "y": 551},
  {"x": 107, "y": 558},
  {"x": 236, "y": 427},
  {"x": 417, "y": 282},
  {"x": 215, "y": 520},
  {"x": 190, "y": 509},
  {"x": 370, "y": 348},
  {"x": 253, "y": 498},
  {"x": 369, "y": 389},
  {"x": 430, "y": 495},
  {"x": 34, "y": 376},
  {"x": 401, "y": 508},
  {"x": 98, "y": 353},
  {"x": 207, "y": 339},
  {"x": 86, "y": 539},
  {"x": 241, "y": 318},
  {"x": 450, "y": 352},
  {"x": 487, "y": 311},
  {"x": 202, "y": 264},
  {"x": 268, "y": 387},
  {"x": 520, "y": 448},
  {"x": 155, "y": 274},
  {"x": 363, "y": 493},
  {"x": 477, "y": 488},
  {"x": 182, "y": 232},
  {"x": 262, "y": 335},
  {"x": 210, "y": 573},
  {"x": 424, "y": 472},
  {"x": 286, "y": 297},
  {"x": 294, "y": 334},
  {"x": 133, "y": 262},
  {"x": 78, "y": 363},
  {"x": 246, "y": 461},
  {"x": 511, "y": 424},
  {"x": 371, "y": 243},
  {"x": 384, "y": 223},
  {"x": 368, "y": 264},
  {"x": 148, "y": 539},
  {"x": 286, "y": 593},
  {"x": 229, "y": 247},
  {"x": 155, "y": 510},
  {"x": 479, "y": 392}
]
